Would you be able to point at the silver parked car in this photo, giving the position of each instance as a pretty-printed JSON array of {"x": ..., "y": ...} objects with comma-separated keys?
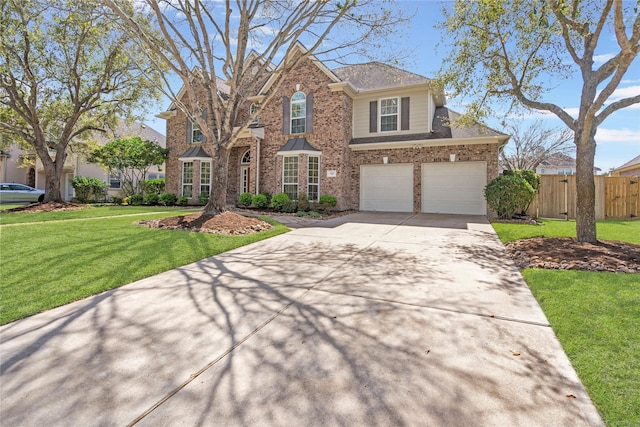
[{"x": 19, "y": 193}]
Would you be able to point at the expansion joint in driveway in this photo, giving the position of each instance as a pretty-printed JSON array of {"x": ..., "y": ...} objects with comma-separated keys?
[{"x": 271, "y": 318}]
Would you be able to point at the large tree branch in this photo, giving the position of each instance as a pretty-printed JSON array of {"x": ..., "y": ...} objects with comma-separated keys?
[{"x": 615, "y": 106}]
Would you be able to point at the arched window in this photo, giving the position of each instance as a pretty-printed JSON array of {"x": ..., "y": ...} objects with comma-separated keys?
[
  {"x": 246, "y": 158},
  {"x": 245, "y": 178},
  {"x": 298, "y": 113}
]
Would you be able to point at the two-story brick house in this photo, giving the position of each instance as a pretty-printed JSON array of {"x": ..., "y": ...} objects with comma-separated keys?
[{"x": 376, "y": 137}]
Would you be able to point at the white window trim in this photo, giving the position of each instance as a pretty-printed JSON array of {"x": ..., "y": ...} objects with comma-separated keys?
[
  {"x": 308, "y": 176},
  {"x": 252, "y": 108},
  {"x": 195, "y": 127},
  {"x": 291, "y": 118},
  {"x": 183, "y": 183},
  {"x": 297, "y": 183},
  {"x": 210, "y": 176},
  {"x": 380, "y": 115}
]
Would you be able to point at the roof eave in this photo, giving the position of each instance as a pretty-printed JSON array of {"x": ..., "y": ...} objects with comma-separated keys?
[{"x": 420, "y": 143}]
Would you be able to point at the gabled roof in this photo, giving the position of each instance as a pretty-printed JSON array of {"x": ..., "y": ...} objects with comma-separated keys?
[
  {"x": 442, "y": 129},
  {"x": 559, "y": 160},
  {"x": 128, "y": 130},
  {"x": 633, "y": 162},
  {"x": 375, "y": 75}
]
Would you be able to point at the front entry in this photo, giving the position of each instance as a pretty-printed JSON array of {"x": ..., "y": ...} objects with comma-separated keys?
[{"x": 245, "y": 161}]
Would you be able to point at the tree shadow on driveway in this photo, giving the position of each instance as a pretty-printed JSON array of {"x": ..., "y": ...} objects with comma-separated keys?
[{"x": 288, "y": 332}]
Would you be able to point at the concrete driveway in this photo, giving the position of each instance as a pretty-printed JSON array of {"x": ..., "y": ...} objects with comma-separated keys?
[{"x": 367, "y": 319}]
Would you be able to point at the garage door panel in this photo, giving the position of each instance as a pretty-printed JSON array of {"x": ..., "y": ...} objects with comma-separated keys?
[
  {"x": 456, "y": 188},
  {"x": 387, "y": 188}
]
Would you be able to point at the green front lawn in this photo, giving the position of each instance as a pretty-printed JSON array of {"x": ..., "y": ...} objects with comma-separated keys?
[
  {"x": 88, "y": 212},
  {"x": 623, "y": 231},
  {"x": 596, "y": 317},
  {"x": 49, "y": 264}
]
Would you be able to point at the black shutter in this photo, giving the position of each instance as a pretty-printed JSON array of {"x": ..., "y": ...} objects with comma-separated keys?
[
  {"x": 286, "y": 119},
  {"x": 373, "y": 117},
  {"x": 404, "y": 110},
  {"x": 310, "y": 113},
  {"x": 189, "y": 131}
]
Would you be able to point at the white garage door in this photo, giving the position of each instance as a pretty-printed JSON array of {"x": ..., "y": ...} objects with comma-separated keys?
[
  {"x": 456, "y": 188},
  {"x": 386, "y": 188}
]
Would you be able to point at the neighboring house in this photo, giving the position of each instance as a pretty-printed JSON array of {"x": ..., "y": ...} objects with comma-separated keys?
[
  {"x": 559, "y": 164},
  {"x": 631, "y": 168},
  {"x": 22, "y": 166},
  {"x": 372, "y": 135}
]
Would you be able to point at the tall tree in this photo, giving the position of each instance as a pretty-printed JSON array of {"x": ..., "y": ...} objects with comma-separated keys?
[
  {"x": 208, "y": 43},
  {"x": 65, "y": 70},
  {"x": 530, "y": 145},
  {"x": 132, "y": 158},
  {"x": 518, "y": 51}
]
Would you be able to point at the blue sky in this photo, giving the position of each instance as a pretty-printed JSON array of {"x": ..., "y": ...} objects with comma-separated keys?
[{"x": 618, "y": 138}]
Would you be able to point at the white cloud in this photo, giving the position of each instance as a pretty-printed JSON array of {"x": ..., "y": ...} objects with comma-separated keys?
[
  {"x": 617, "y": 135},
  {"x": 601, "y": 59},
  {"x": 625, "y": 92}
]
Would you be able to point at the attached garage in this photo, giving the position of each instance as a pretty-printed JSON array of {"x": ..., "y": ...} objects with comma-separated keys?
[
  {"x": 455, "y": 188},
  {"x": 386, "y": 188}
]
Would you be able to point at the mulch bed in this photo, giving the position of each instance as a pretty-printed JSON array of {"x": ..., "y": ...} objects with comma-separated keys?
[
  {"x": 565, "y": 253},
  {"x": 46, "y": 207},
  {"x": 224, "y": 223}
]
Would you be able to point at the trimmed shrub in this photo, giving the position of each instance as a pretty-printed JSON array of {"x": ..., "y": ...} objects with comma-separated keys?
[
  {"x": 136, "y": 199},
  {"x": 167, "y": 199},
  {"x": 203, "y": 198},
  {"x": 260, "y": 201},
  {"x": 314, "y": 214},
  {"x": 89, "y": 189},
  {"x": 303, "y": 202},
  {"x": 182, "y": 201},
  {"x": 153, "y": 186},
  {"x": 279, "y": 200},
  {"x": 327, "y": 203},
  {"x": 268, "y": 196},
  {"x": 508, "y": 194},
  {"x": 245, "y": 200},
  {"x": 290, "y": 206},
  {"x": 531, "y": 177},
  {"x": 152, "y": 199},
  {"x": 116, "y": 200}
]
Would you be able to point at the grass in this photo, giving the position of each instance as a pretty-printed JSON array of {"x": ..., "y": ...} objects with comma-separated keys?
[
  {"x": 89, "y": 212},
  {"x": 49, "y": 264},
  {"x": 596, "y": 316},
  {"x": 624, "y": 231}
]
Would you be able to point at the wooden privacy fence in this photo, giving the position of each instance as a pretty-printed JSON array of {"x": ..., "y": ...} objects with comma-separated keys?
[{"x": 616, "y": 197}]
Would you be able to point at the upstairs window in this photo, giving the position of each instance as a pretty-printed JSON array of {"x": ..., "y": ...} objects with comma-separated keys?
[
  {"x": 252, "y": 110},
  {"x": 298, "y": 113},
  {"x": 196, "y": 136},
  {"x": 388, "y": 114}
]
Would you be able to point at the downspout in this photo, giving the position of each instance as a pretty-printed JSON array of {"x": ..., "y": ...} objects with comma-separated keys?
[{"x": 257, "y": 165}]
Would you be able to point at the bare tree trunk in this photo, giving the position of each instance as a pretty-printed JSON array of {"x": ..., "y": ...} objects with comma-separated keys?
[
  {"x": 585, "y": 187},
  {"x": 220, "y": 173},
  {"x": 52, "y": 180}
]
